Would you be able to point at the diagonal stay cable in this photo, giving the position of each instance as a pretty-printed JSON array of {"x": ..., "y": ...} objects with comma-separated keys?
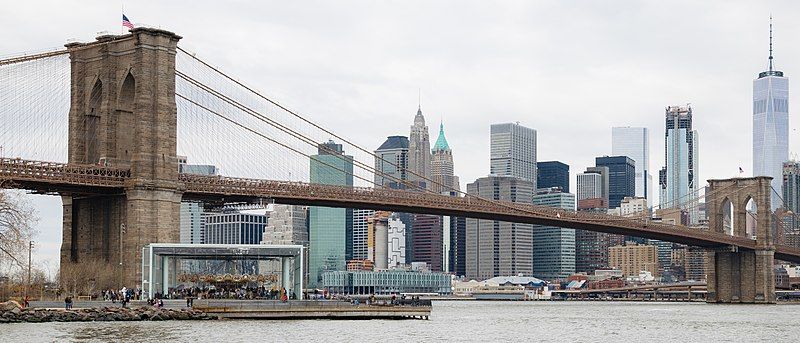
[
  {"x": 287, "y": 130},
  {"x": 261, "y": 134},
  {"x": 317, "y": 126},
  {"x": 513, "y": 206},
  {"x": 449, "y": 187}
]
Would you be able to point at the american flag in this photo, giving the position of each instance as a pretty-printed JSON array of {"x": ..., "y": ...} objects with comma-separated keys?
[{"x": 125, "y": 22}]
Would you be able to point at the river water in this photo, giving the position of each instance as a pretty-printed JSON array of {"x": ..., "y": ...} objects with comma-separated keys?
[{"x": 463, "y": 321}]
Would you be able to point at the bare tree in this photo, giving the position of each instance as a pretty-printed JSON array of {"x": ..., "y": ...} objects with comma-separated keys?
[
  {"x": 88, "y": 278},
  {"x": 17, "y": 219}
]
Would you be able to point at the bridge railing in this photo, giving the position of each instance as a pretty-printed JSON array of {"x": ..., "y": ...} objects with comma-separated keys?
[
  {"x": 16, "y": 169},
  {"x": 38, "y": 172},
  {"x": 377, "y": 196}
]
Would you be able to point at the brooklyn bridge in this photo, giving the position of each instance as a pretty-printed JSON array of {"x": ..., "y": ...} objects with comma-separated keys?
[{"x": 135, "y": 100}]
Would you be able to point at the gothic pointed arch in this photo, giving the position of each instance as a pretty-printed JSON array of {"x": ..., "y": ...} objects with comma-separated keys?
[
  {"x": 123, "y": 123},
  {"x": 728, "y": 216},
  {"x": 92, "y": 123},
  {"x": 750, "y": 209}
]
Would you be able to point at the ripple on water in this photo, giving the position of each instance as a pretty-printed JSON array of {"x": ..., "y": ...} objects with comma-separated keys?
[{"x": 463, "y": 321}]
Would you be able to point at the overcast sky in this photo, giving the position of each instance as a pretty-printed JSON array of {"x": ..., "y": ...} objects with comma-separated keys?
[{"x": 569, "y": 69}]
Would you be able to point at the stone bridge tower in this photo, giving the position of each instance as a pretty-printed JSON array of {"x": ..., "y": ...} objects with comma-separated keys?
[
  {"x": 123, "y": 114},
  {"x": 739, "y": 275}
]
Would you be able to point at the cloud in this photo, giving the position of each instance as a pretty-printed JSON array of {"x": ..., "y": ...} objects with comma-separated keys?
[{"x": 569, "y": 69}]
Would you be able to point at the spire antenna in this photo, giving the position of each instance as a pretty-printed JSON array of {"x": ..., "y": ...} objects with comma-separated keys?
[
  {"x": 419, "y": 90},
  {"x": 770, "y": 44}
]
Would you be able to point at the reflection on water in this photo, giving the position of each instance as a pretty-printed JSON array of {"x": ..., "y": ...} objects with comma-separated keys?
[
  {"x": 462, "y": 321},
  {"x": 123, "y": 331}
]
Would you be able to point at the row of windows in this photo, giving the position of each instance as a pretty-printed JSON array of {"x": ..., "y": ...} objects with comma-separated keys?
[
  {"x": 778, "y": 105},
  {"x": 229, "y": 218}
]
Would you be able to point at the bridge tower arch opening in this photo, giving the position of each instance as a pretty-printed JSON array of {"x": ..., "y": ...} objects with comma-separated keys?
[
  {"x": 123, "y": 114},
  {"x": 124, "y": 125},
  {"x": 92, "y": 123},
  {"x": 727, "y": 216},
  {"x": 738, "y": 275},
  {"x": 751, "y": 217}
]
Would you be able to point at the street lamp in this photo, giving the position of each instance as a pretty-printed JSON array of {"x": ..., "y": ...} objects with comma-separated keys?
[
  {"x": 28, "y": 284},
  {"x": 122, "y": 231}
]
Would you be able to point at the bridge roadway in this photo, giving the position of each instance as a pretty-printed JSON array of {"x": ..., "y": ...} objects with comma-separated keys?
[
  {"x": 52, "y": 178},
  {"x": 688, "y": 284}
]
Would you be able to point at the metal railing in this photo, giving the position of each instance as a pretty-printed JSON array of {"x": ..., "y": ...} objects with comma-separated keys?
[
  {"x": 15, "y": 169},
  {"x": 19, "y": 171},
  {"x": 467, "y": 206}
]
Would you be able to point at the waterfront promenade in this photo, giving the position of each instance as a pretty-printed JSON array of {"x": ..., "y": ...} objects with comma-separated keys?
[{"x": 273, "y": 309}]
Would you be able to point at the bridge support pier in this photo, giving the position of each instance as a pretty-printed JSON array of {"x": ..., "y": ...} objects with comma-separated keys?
[
  {"x": 737, "y": 275},
  {"x": 741, "y": 276},
  {"x": 122, "y": 114}
]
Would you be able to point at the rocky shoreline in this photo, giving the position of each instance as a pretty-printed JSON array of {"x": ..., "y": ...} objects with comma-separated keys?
[{"x": 105, "y": 314}]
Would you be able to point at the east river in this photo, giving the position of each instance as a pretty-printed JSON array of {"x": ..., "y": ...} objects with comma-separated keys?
[{"x": 463, "y": 321}]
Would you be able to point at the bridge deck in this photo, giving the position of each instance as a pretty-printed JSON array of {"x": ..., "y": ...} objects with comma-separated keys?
[{"x": 56, "y": 177}]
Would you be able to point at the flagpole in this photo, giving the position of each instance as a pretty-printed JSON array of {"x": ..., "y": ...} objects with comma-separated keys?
[{"x": 122, "y": 28}]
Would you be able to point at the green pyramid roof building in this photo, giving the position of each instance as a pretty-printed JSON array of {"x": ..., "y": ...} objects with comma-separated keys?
[{"x": 441, "y": 142}]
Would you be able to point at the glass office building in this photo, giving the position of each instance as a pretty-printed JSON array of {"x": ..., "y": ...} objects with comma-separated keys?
[
  {"x": 513, "y": 151},
  {"x": 634, "y": 142},
  {"x": 552, "y": 174},
  {"x": 679, "y": 179},
  {"x": 328, "y": 227},
  {"x": 553, "y": 247},
  {"x": 771, "y": 125},
  {"x": 394, "y": 281},
  {"x": 621, "y": 178},
  {"x": 495, "y": 248}
]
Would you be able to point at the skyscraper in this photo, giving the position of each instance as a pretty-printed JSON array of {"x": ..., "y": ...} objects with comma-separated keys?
[
  {"x": 591, "y": 248},
  {"x": 589, "y": 186},
  {"x": 360, "y": 230},
  {"x": 192, "y": 219},
  {"x": 553, "y": 247},
  {"x": 634, "y": 142},
  {"x": 495, "y": 248},
  {"x": 442, "y": 165},
  {"x": 621, "y": 178},
  {"x": 593, "y": 184},
  {"x": 232, "y": 227},
  {"x": 427, "y": 241},
  {"x": 419, "y": 151},
  {"x": 192, "y": 223},
  {"x": 286, "y": 224},
  {"x": 770, "y": 123},
  {"x": 328, "y": 227},
  {"x": 679, "y": 179},
  {"x": 791, "y": 192},
  {"x": 397, "y": 241},
  {"x": 458, "y": 246},
  {"x": 445, "y": 182},
  {"x": 513, "y": 151},
  {"x": 392, "y": 163},
  {"x": 552, "y": 174}
]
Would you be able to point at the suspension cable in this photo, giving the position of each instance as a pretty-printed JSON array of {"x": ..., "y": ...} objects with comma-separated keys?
[
  {"x": 303, "y": 138},
  {"x": 511, "y": 205},
  {"x": 263, "y": 135},
  {"x": 296, "y": 115}
]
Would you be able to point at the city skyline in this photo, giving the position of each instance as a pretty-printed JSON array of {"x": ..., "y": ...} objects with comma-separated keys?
[
  {"x": 771, "y": 123},
  {"x": 290, "y": 82}
]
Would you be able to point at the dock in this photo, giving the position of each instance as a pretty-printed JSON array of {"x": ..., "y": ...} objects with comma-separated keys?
[{"x": 310, "y": 309}]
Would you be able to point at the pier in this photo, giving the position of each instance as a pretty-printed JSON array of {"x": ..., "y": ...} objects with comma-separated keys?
[{"x": 305, "y": 309}]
